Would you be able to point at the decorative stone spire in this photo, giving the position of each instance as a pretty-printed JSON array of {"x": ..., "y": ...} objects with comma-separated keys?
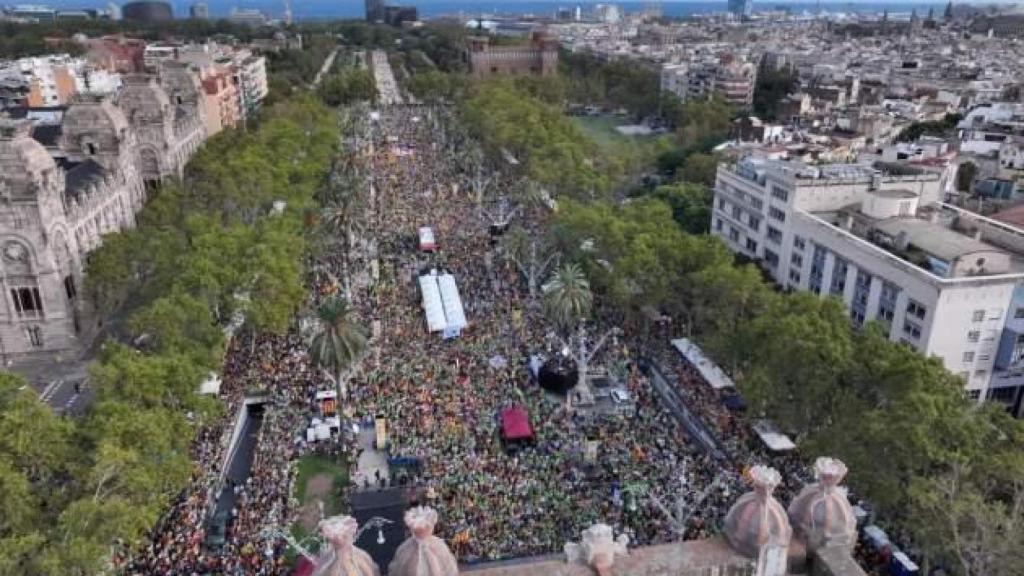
[
  {"x": 423, "y": 554},
  {"x": 346, "y": 559},
  {"x": 597, "y": 549},
  {"x": 821, "y": 514},
  {"x": 757, "y": 519}
]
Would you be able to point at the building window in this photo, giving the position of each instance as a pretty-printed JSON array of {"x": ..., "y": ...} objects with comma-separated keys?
[
  {"x": 973, "y": 335},
  {"x": 995, "y": 313},
  {"x": 968, "y": 357},
  {"x": 751, "y": 245},
  {"x": 798, "y": 242},
  {"x": 794, "y": 275},
  {"x": 990, "y": 335},
  {"x": 69, "y": 287},
  {"x": 736, "y": 213},
  {"x": 718, "y": 224},
  {"x": 771, "y": 258},
  {"x": 980, "y": 374},
  {"x": 917, "y": 309},
  {"x": 796, "y": 259},
  {"x": 780, "y": 193},
  {"x": 973, "y": 394},
  {"x": 984, "y": 357},
  {"x": 914, "y": 330},
  {"x": 775, "y": 235},
  {"x": 978, "y": 316},
  {"x": 27, "y": 302},
  {"x": 734, "y": 234},
  {"x": 721, "y": 204},
  {"x": 34, "y": 334},
  {"x": 776, "y": 214},
  {"x": 754, "y": 222},
  {"x": 838, "y": 285},
  {"x": 1005, "y": 394},
  {"x": 1018, "y": 313}
]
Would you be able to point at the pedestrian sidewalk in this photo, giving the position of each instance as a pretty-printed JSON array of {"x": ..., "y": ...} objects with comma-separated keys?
[{"x": 372, "y": 465}]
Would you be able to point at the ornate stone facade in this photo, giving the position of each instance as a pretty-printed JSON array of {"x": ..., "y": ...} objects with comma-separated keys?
[
  {"x": 539, "y": 57},
  {"x": 56, "y": 205}
]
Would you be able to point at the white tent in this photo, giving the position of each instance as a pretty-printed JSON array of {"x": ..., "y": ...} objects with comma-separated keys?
[
  {"x": 432, "y": 305},
  {"x": 453, "y": 311},
  {"x": 710, "y": 371},
  {"x": 775, "y": 441}
]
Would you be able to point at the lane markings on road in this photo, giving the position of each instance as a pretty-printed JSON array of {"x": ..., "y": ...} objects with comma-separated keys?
[{"x": 50, "y": 389}]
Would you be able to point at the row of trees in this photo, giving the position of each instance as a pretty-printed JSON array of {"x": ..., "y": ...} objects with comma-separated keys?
[
  {"x": 73, "y": 492},
  {"x": 934, "y": 464},
  {"x": 507, "y": 119}
]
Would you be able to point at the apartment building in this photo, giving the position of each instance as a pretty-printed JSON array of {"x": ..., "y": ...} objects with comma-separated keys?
[
  {"x": 940, "y": 279},
  {"x": 729, "y": 78}
]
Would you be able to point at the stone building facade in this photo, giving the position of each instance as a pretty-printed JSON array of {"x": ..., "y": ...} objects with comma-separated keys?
[
  {"x": 58, "y": 201},
  {"x": 540, "y": 57}
]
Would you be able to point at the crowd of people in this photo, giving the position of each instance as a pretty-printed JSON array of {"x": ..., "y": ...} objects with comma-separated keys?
[{"x": 441, "y": 397}]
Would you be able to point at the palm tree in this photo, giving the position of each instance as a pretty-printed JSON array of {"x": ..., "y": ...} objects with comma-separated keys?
[
  {"x": 567, "y": 296},
  {"x": 339, "y": 343}
]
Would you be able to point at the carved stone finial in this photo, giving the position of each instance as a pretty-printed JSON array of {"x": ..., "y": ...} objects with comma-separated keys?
[
  {"x": 821, "y": 514},
  {"x": 346, "y": 560},
  {"x": 829, "y": 472},
  {"x": 757, "y": 519},
  {"x": 597, "y": 549},
  {"x": 423, "y": 554}
]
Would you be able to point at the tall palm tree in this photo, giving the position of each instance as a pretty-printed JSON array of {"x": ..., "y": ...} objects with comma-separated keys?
[
  {"x": 567, "y": 296},
  {"x": 339, "y": 343}
]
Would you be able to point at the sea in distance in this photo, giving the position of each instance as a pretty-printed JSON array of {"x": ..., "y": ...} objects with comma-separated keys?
[{"x": 330, "y": 9}]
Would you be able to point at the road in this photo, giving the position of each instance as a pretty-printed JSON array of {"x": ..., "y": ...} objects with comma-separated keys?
[
  {"x": 67, "y": 395},
  {"x": 672, "y": 399},
  {"x": 328, "y": 62}
]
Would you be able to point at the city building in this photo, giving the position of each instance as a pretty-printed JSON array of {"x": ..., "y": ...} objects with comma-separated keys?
[
  {"x": 375, "y": 10},
  {"x": 32, "y": 13},
  {"x": 741, "y": 9},
  {"x": 938, "y": 278},
  {"x": 116, "y": 53},
  {"x": 729, "y": 78},
  {"x": 399, "y": 15},
  {"x": 251, "y": 81},
  {"x": 539, "y": 57},
  {"x": 247, "y": 17},
  {"x": 607, "y": 13},
  {"x": 50, "y": 79},
  {"x": 199, "y": 11},
  {"x": 66, "y": 185},
  {"x": 247, "y": 70},
  {"x": 149, "y": 11},
  {"x": 53, "y": 80},
  {"x": 220, "y": 100}
]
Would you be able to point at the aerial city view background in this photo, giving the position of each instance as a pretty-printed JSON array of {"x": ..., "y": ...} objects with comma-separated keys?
[{"x": 429, "y": 288}]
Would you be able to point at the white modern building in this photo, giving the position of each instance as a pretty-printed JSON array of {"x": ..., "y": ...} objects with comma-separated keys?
[{"x": 940, "y": 279}]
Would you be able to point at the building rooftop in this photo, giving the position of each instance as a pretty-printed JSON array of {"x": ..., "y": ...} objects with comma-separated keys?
[{"x": 933, "y": 238}]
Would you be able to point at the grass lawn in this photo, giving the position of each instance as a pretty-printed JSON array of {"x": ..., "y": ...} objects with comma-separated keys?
[
  {"x": 601, "y": 130},
  {"x": 318, "y": 472},
  {"x": 314, "y": 465}
]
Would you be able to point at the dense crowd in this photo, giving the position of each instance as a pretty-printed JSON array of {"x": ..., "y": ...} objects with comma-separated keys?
[{"x": 441, "y": 398}]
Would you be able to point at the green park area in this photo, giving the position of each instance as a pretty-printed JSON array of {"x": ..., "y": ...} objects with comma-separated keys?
[
  {"x": 319, "y": 481},
  {"x": 603, "y": 131}
]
